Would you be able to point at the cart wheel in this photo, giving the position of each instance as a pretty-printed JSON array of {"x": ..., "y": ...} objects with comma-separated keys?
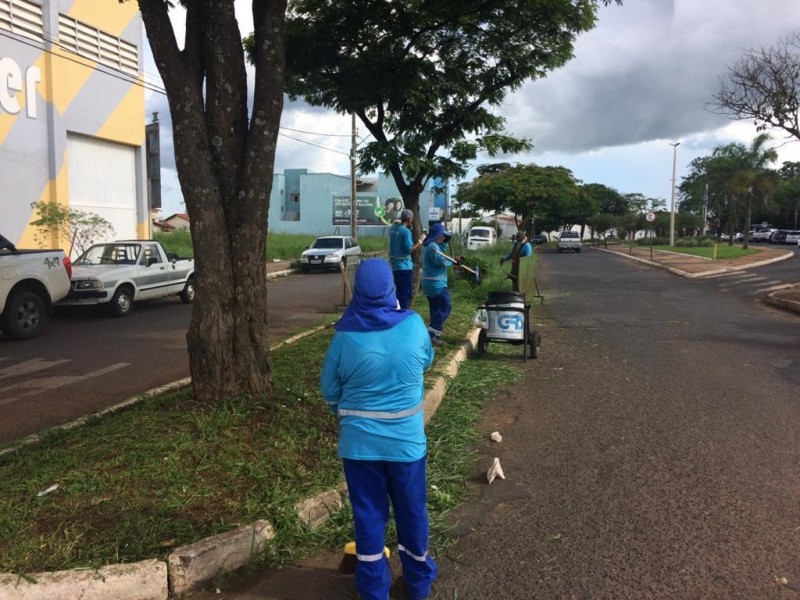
[
  {"x": 483, "y": 342},
  {"x": 535, "y": 341}
]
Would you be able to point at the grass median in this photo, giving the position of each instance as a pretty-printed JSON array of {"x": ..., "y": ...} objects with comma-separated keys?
[{"x": 170, "y": 471}]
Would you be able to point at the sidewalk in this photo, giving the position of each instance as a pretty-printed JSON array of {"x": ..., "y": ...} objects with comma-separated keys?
[{"x": 692, "y": 267}]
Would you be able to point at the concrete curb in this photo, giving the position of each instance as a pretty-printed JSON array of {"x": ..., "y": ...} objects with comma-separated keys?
[
  {"x": 194, "y": 564},
  {"x": 785, "y": 303},
  {"x": 687, "y": 275},
  {"x": 146, "y": 580}
]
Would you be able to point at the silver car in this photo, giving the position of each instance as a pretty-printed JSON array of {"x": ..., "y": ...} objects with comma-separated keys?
[{"x": 331, "y": 252}]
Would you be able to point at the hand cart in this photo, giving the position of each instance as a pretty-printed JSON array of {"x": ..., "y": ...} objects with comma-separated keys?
[{"x": 506, "y": 318}]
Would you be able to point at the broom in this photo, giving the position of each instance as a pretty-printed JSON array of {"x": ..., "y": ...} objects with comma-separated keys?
[{"x": 349, "y": 560}]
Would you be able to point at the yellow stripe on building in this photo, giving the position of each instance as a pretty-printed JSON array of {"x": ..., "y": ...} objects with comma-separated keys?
[
  {"x": 113, "y": 18},
  {"x": 70, "y": 73},
  {"x": 124, "y": 125}
]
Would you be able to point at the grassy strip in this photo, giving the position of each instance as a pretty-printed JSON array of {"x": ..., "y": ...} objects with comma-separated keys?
[
  {"x": 280, "y": 246},
  {"x": 724, "y": 251},
  {"x": 170, "y": 471}
]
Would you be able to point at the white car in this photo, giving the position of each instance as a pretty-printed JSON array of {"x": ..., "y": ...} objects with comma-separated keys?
[
  {"x": 569, "y": 240},
  {"x": 330, "y": 252},
  {"x": 792, "y": 237}
]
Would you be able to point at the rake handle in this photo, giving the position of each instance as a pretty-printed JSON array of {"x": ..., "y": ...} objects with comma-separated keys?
[{"x": 454, "y": 261}]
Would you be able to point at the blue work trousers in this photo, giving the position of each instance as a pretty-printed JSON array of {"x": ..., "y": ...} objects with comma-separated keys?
[
  {"x": 440, "y": 309},
  {"x": 402, "y": 285},
  {"x": 371, "y": 484}
]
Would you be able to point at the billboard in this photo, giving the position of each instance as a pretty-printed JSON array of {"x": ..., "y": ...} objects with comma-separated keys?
[{"x": 370, "y": 210}]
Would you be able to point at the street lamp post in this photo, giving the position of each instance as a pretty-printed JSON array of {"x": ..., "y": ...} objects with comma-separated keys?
[{"x": 672, "y": 202}]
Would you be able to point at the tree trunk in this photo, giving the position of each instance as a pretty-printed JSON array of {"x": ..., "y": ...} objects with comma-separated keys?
[
  {"x": 747, "y": 215},
  {"x": 225, "y": 163}
]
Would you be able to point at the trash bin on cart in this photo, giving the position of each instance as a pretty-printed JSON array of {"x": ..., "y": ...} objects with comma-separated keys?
[{"x": 505, "y": 317}]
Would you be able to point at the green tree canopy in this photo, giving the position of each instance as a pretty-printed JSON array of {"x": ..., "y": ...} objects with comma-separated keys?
[
  {"x": 425, "y": 77},
  {"x": 530, "y": 192}
]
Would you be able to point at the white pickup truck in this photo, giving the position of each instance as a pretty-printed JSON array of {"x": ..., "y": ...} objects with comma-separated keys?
[
  {"x": 30, "y": 282},
  {"x": 117, "y": 274},
  {"x": 569, "y": 240}
]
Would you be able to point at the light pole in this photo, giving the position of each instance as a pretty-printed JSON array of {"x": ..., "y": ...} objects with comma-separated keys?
[{"x": 672, "y": 202}]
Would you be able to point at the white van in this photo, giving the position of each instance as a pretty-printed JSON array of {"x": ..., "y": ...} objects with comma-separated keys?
[{"x": 480, "y": 236}]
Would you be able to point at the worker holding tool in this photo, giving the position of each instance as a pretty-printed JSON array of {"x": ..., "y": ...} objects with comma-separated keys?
[
  {"x": 401, "y": 245},
  {"x": 434, "y": 279},
  {"x": 372, "y": 378},
  {"x": 521, "y": 249}
]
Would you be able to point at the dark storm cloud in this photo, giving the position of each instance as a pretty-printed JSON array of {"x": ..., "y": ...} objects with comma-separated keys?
[{"x": 647, "y": 72}]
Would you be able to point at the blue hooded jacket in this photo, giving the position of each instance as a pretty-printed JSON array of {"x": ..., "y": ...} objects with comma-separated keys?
[{"x": 372, "y": 376}]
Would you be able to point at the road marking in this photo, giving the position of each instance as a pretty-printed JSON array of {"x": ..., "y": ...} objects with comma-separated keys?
[
  {"x": 51, "y": 383},
  {"x": 753, "y": 279},
  {"x": 771, "y": 287},
  {"x": 727, "y": 274},
  {"x": 29, "y": 366}
]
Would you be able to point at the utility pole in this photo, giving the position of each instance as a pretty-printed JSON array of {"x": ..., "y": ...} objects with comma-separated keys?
[
  {"x": 672, "y": 203},
  {"x": 353, "y": 206}
]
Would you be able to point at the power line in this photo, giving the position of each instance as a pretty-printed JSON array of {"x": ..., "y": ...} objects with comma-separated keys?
[{"x": 302, "y": 141}]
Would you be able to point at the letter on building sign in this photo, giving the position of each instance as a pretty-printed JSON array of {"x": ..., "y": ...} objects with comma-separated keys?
[{"x": 11, "y": 84}]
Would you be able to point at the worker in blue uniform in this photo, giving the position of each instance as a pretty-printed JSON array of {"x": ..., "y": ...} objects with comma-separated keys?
[
  {"x": 521, "y": 249},
  {"x": 401, "y": 246},
  {"x": 434, "y": 279},
  {"x": 372, "y": 378}
]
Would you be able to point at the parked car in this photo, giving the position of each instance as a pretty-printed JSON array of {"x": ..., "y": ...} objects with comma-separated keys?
[
  {"x": 116, "y": 274},
  {"x": 31, "y": 281},
  {"x": 569, "y": 240},
  {"x": 761, "y": 234},
  {"x": 539, "y": 239},
  {"x": 777, "y": 237},
  {"x": 792, "y": 237},
  {"x": 330, "y": 251}
]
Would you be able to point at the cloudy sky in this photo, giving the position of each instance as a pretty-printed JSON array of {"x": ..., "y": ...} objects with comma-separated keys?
[{"x": 640, "y": 81}]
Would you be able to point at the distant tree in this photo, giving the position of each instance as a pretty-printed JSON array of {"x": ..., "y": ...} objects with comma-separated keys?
[
  {"x": 601, "y": 223},
  {"x": 787, "y": 195},
  {"x": 764, "y": 86},
  {"x": 80, "y": 227},
  {"x": 425, "y": 78},
  {"x": 753, "y": 179},
  {"x": 527, "y": 191},
  {"x": 224, "y": 155},
  {"x": 608, "y": 200}
]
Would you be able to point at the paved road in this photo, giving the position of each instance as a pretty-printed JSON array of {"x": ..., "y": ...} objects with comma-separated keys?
[
  {"x": 652, "y": 452},
  {"x": 85, "y": 361},
  {"x": 756, "y": 282}
]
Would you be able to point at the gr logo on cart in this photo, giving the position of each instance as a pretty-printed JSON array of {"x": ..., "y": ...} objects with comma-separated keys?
[{"x": 508, "y": 321}]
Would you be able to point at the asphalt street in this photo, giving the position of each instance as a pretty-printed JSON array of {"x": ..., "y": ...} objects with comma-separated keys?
[{"x": 653, "y": 452}]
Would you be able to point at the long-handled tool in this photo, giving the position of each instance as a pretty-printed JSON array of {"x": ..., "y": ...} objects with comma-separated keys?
[{"x": 476, "y": 272}]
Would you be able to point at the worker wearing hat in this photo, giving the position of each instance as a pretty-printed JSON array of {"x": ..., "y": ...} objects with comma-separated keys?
[
  {"x": 434, "y": 279},
  {"x": 401, "y": 245},
  {"x": 373, "y": 380}
]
